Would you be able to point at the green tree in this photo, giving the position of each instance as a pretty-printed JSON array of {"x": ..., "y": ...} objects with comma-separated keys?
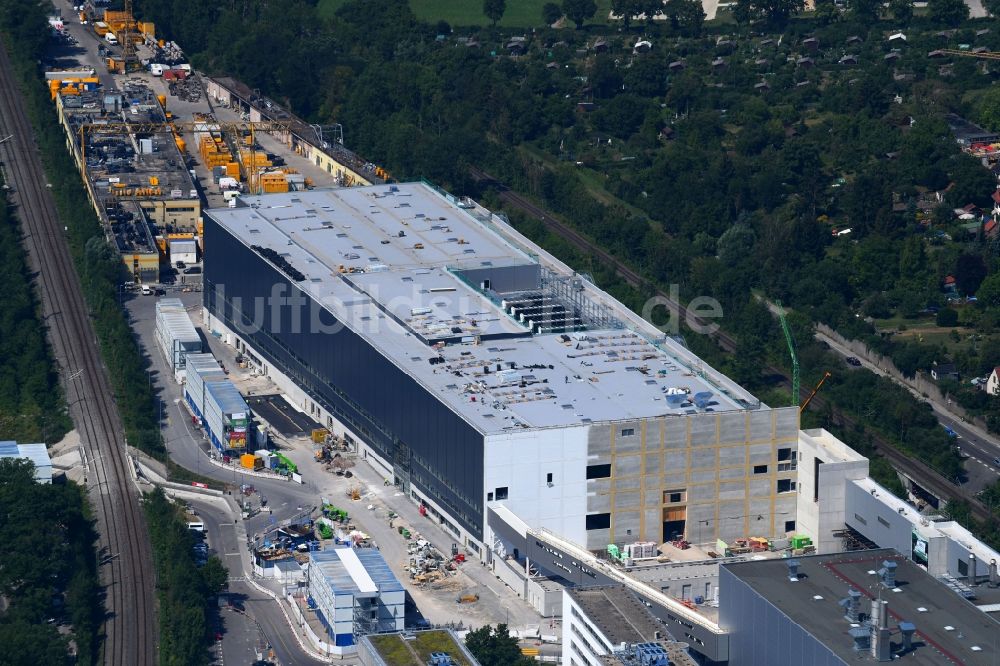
[
  {"x": 735, "y": 245},
  {"x": 494, "y": 646},
  {"x": 901, "y": 11},
  {"x": 989, "y": 107},
  {"x": 686, "y": 15},
  {"x": 494, "y": 10},
  {"x": 551, "y": 12},
  {"x": 947, "y": 12},
  {"x": 993, "y": 7},
  {"x": 865, "y": 9},
  {"x": 628, "y": 10},
  {"x": 988, "y": 294},
  {"x": 946, "y": 317},
  {"x": 579, "y": 11},
  {"x": 774, "y": 12},
  {"x": 970, "y": 271}
]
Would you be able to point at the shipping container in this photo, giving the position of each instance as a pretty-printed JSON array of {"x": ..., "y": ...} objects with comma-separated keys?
[
  {"x": 176, "y": 335},
  {"x": 200, "y": 369},
  {"x": 226, "y": 416}
]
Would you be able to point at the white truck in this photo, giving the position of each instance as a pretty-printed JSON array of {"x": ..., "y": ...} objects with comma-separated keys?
[{"x": 111, "y": 39}]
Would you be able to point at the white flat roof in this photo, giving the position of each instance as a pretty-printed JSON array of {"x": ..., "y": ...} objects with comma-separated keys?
[
  {"x": 356, "y": 570},
  {"x": 384, "y": 260}
]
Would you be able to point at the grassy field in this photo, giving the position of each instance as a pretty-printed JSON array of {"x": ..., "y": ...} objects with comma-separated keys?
[
  {"x": 520, "y": 13},
  {"x": 394, "y": 651}
]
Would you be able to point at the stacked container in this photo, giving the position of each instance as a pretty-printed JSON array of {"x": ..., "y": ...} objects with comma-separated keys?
[
  {"x": 226, "y": 416},
  {"x": 176, "y": 335},
  {"x": 200, "y": 370}
]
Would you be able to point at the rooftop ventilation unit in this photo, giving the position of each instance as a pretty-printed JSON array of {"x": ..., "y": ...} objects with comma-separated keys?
[
  {"x": 861, "y": 638},
  {"x": 652, "y": 654},
  {"x": 887, "y": 574},
  {"x": 793, "y": 571},
  {"x": 973, "y": 573},
  {"x": 851, "y": 605},
  {"x": 907, "y": 629},
  {"x": 994, "y": 576}
]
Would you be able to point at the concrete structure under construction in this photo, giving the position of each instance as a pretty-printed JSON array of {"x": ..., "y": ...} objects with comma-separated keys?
[
  {"x": 37, "y": 454},
  {"x": 479, "y": 371},
  {"x": 354, "y": 593}
]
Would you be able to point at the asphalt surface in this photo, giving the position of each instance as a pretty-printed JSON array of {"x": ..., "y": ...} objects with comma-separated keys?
[{"x": 262, "y": 617}]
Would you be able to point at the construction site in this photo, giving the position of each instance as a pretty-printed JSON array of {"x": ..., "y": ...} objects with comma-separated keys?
[{"x": 153, "y": 151}]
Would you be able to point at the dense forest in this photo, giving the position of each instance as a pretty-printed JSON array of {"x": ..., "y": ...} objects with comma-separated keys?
[
  {"x": 187, "y": 593},
  {"x": 31, "y": 400},
  {"x": 48, "y": 580}
]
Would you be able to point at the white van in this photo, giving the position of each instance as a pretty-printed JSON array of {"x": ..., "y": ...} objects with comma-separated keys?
[
  {"x": 146, "y": 291},
  {"x": 111, "y": 39},
  {"x": 156, "y": 69}
]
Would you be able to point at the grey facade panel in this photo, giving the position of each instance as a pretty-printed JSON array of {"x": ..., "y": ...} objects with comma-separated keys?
[
  {"x": 403, "y": 422},
  {"x": 759, "y": 633},
  {"x": 505, "y": 279}
]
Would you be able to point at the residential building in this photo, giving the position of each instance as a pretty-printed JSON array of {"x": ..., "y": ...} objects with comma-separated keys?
[{"x": 993, "y": 383}]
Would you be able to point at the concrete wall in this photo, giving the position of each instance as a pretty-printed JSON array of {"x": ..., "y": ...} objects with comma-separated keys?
[
  {"x": 546, "y": 599},
  {"x": 878, "y": 522},
  {"x": 521, "y": 461},
  {"x": 819, "y": 514},
  {"x": 181, "y": 213},
  {"x": 726, "y": 466}
]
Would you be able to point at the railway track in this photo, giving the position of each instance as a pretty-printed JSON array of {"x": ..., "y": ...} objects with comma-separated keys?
[
  {"x": 125, "y": 553},
  {"x": 922, "y": 473}
]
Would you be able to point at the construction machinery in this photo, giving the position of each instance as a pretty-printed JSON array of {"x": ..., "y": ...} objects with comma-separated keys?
[
  {"x": 791, "y": 352},
  {"x": 826, "y": 375}
]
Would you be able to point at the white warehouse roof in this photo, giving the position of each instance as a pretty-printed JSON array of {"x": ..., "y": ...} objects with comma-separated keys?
[{"x": 401, "y": 265}]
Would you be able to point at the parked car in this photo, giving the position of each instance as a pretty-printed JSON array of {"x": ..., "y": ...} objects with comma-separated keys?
[
  {"x": 180, "y": 264},
  {"x": 193, "y": 270},
  {"x": 853, "y": 360}
]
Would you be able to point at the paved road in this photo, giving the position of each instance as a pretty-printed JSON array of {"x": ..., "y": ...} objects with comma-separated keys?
[
  {"x": 263, "y": 617},
  {"x": 980, "y": 446}
]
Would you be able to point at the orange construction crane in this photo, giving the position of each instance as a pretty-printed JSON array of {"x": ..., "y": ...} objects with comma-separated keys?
[{"x": 826, "y": 375}]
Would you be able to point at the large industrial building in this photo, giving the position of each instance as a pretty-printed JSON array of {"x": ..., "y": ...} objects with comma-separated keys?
[
  {"x": 475, "y": 369},
  {"x": 833, "y": 610}
]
